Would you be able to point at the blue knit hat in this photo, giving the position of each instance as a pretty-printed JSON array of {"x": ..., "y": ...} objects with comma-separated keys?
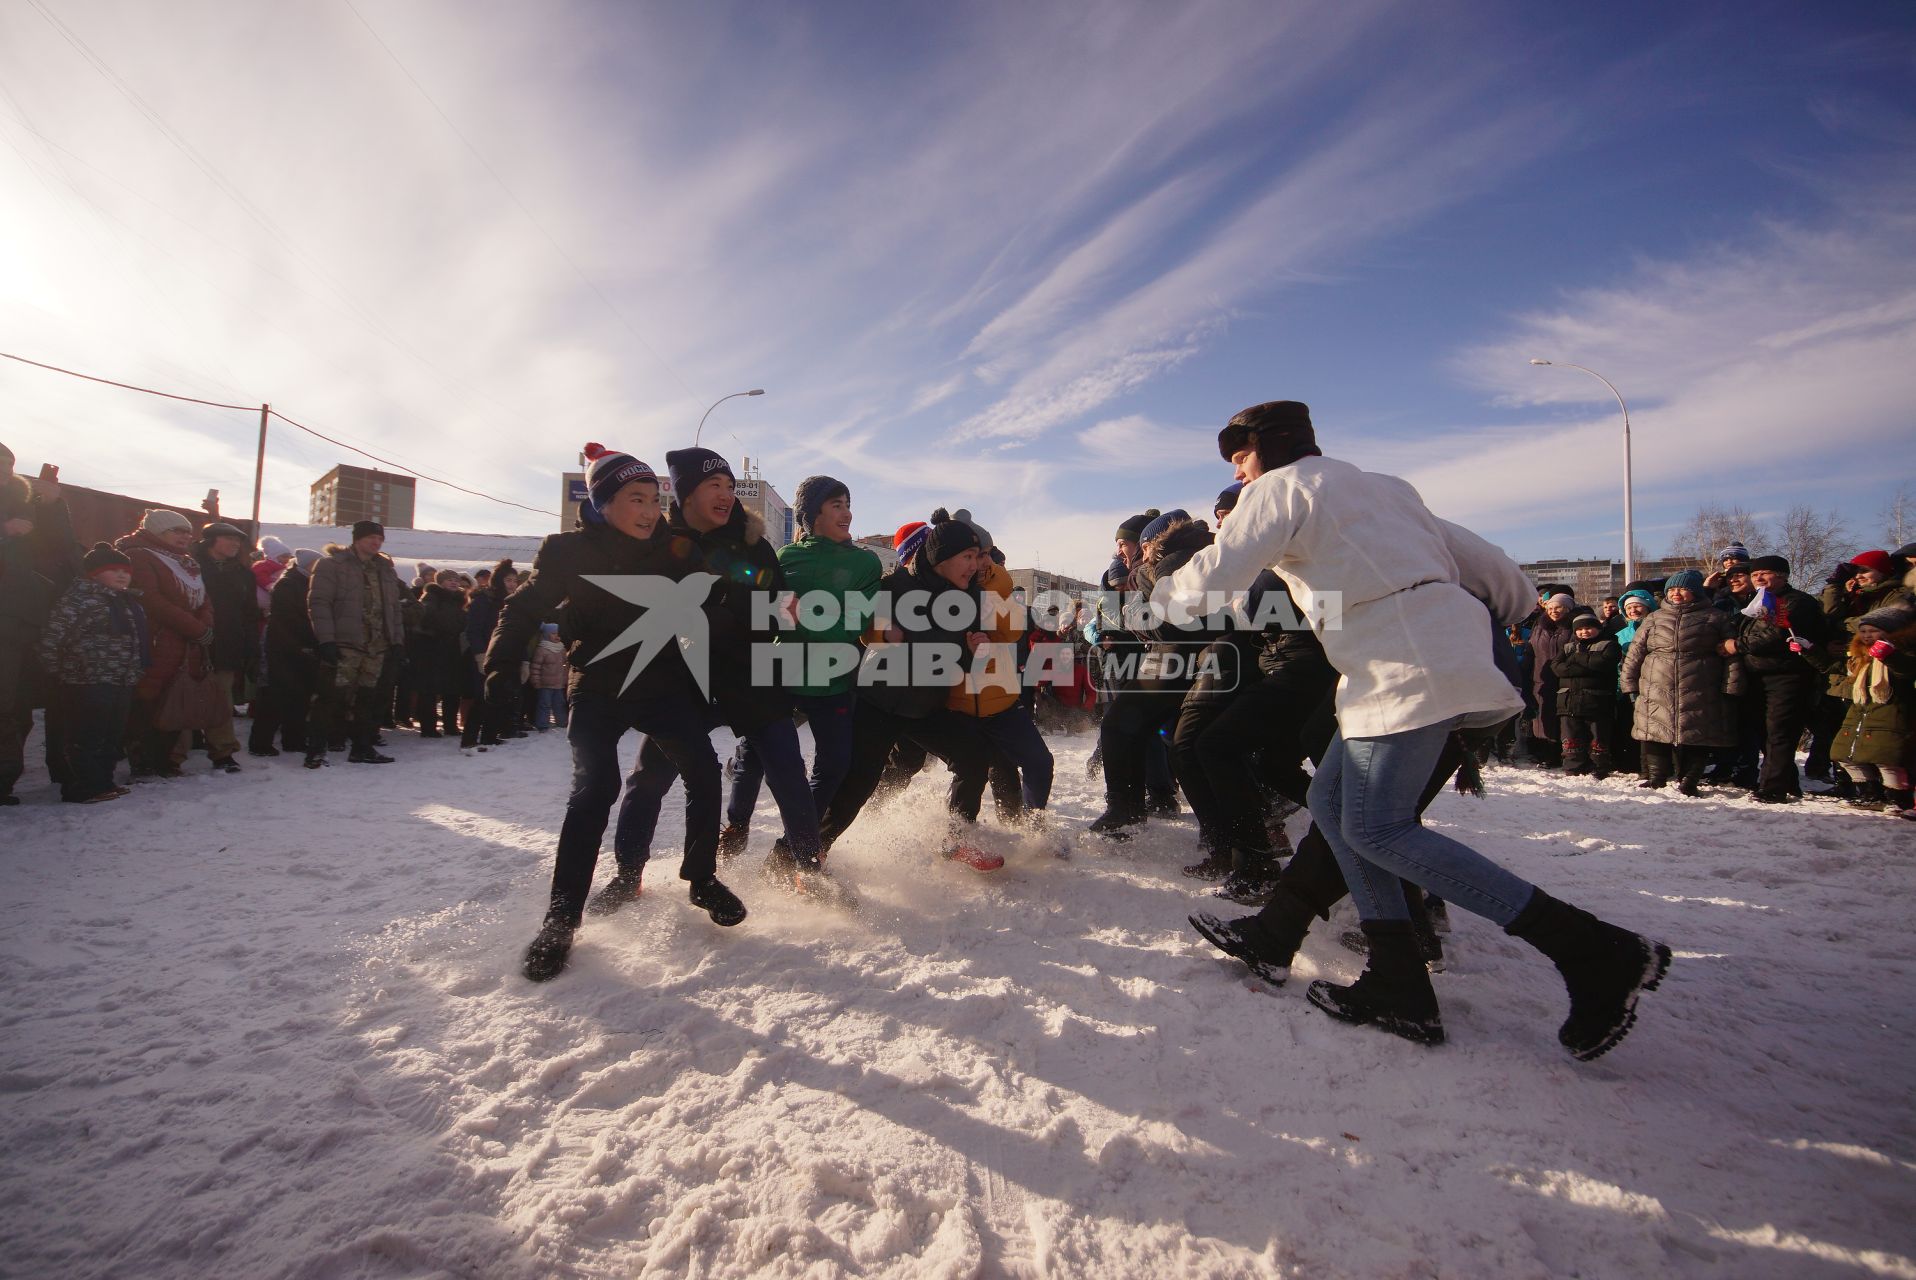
[
  {"x": 1227, "y": 500},
  {"x": 606, "y": 472},
  {"x": 1162, "y": 523},
  {"x": 1684, "y": 578},
  {"x": 1638, "y": 593},
  {"x": 1735, "y": 551}
]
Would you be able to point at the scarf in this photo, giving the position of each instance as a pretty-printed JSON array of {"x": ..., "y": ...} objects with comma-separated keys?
[
  {"x": 187, "y": 571},
  {"x": 1871, "y": 684}
]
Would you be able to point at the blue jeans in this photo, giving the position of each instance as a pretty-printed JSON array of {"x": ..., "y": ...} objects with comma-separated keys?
[
  {"x": 830, "y": 719},
  {"x": 1364, "y": 801},
  {"x": 775, "y": 746},
  {"x": 1014, "y": 735},
  {"x": 675, "y": 730},
  {"x": 549, "y": 709}
]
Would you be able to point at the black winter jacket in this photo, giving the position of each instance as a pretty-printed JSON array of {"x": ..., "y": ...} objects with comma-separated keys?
[
  {"x": 290, "y": 642},
  {"x": 234, "y": 594},
  {"x": 747, "y": 568},
  {"x": 1587, "y": 677},
  {"x": 883, "y": 679},
  {"x": 593, "y": 617},
  {"x": 1765, "y": 645}
]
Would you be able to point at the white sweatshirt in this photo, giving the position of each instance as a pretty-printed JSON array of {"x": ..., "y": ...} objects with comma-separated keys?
[{"x": 1392, "y": 591}]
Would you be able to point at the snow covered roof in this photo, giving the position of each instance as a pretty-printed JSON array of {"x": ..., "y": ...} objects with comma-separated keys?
[{"x": 442, "y": 549}]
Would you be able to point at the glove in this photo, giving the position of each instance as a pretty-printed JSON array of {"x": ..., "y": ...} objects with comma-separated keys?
[
  {"x": 1798, "y": 646},
  {"x": 1881, "y": 650},
  {"x": 328, "y": 653}
]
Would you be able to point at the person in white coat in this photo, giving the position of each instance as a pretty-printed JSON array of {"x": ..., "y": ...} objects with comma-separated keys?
[{"x": 1407, "y": 606}]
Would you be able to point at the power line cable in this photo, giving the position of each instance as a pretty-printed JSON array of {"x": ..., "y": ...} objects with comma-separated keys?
[
  {"x": 365, "y": 317},
  {"x": 248, "y": 408}
]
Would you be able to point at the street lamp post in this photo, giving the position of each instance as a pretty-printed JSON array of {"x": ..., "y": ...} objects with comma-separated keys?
[
  {"x": 756, "y": 391},
  {"x": 1629, "y": 524}
]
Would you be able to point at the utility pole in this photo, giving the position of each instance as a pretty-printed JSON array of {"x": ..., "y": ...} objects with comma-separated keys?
[{"x": 259, "y": 466}]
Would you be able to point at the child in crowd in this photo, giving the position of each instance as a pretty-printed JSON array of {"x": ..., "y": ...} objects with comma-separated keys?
[
  {"x": 95, "y": 646},
  {"x": 549, "y": 673},
  {"x": 1587, "y": 668},
  {"x": 1871, "y": 746}
]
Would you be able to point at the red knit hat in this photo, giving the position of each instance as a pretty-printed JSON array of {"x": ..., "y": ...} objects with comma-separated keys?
[
  {"x": 905, "y": 531},
  {"x": 1877, "y": 560}
]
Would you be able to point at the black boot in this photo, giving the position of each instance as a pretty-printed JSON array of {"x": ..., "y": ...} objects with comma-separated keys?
[
  {"x": 1869, "y": 795},
  {"x": 1691, "y": 783},
  {"x": 1253, "y": 876},
  {"x": 546, "y": 957},
  {"x": 1114, "y": 824},
  {"x": 1393, "y": 993},
  {"x": 621, "y": 891},
  {"x": 1604, "y": 967},
  {"x": 717, "y": 901},
  {"x": 1897, "y": 799},
  {"x": 1163, "y": 804},
  {"x": 1216, "y": 866},
  {"x": 366, "y": 731},
  {"x": 1265, "y": 942}
]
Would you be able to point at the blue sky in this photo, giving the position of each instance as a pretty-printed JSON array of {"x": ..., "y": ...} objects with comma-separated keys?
[{"x": 1020, "y": 258}]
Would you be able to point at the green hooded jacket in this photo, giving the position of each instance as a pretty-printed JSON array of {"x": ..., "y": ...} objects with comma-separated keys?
[{"x": 842, "y": 569}]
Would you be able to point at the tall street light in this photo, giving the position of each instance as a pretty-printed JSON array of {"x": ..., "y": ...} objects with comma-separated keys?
[
  {"x": 756, "y": 391},
  {"x": 1629, "y": 525}
]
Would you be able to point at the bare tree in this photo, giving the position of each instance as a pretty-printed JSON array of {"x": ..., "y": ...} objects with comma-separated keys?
[
  {"x": 1811, "y": 541},
  {"x": 1714, "y": 527},
  {"x": 1899, "y": 518}
]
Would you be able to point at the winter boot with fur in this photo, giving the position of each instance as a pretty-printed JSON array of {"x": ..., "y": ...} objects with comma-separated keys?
[
  {"x": 1605, "y": 968},
  {"x": 1393, "y": 993}
]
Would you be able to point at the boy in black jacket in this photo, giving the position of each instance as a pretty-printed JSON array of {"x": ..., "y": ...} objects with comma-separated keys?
[{"x": 1586, "y": 671}]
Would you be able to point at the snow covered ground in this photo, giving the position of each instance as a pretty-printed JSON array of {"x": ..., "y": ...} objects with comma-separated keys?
[{"x": 271, "y": 1026}]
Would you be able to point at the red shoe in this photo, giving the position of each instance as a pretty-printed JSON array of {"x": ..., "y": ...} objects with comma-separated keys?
[{"x": 974, "y": 857}]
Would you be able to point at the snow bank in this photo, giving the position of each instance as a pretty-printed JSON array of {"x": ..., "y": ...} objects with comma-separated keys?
[{"x": 270, "y": 1025}]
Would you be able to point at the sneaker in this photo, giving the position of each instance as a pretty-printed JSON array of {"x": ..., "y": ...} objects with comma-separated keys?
[
  {"x": 972, "y": 856},
  {"x": 621, "y": 891},
  {"x": 717, "y": 901}
]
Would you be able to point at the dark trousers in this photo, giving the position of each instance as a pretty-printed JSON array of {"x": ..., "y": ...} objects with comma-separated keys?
[
  {"x": 1663, "y": 761},
  {"x": 830, "y": 719},
  {"x": 776, "y": 755},
  {"x": 674, "y": 727},
  {"x": 1588, "y": 741},
  {"x": 1016, "y": 742},
  {"x": 1219, "y": 734},
  {"x": 1130, "y": 725},
  {"x": 281, "y": 710},
  {"x": 953, "y": 738},
  {"x": 1787, "y": 698},
  {"x": 16, "y": 709},
  {"x": 1826, "y": 721},
  {"x": 95, "y": 718}
]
